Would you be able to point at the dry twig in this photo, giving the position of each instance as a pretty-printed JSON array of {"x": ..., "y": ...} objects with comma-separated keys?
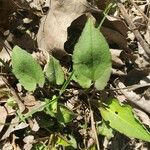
[
  {"x": 133, "y": 28},
  {"x": 18, "y": 100},
  {"x": 15, "y": 95}
]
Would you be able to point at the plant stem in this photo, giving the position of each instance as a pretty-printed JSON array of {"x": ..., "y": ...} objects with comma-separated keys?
[
  {"x": 65, "y": 84},
  {"x": 106, "y": 11}
]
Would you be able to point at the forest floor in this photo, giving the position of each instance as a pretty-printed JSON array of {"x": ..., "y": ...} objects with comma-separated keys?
[{"x": 44, "y": 119}]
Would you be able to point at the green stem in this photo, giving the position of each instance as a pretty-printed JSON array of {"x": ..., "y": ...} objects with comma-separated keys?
[
  {"x": 106, "y": 11},
  {"x": 65, "y": 84}
]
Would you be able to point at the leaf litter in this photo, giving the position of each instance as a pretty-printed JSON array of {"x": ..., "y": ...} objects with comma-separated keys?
[{"x": 49, "y": 29}]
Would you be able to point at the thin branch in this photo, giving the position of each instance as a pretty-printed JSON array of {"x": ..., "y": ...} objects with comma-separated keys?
[
  {"x": 15, "y": 95},
  {"x": 132, "y": 87},
  {"x": 93, "y": 122}
]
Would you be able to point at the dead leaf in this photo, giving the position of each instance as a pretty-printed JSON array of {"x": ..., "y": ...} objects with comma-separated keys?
[
  {"x": 7, "y": 146},
  {"x": 36, "y": 126},
  {"x": 25, "y": 41},
  {"x": 117, "y": 24},
  {"x": 14, "y": 122},
  {"x": 116, "y": 60},
  {"x": 29, "y": 100},
  {"x": 135, "y": 75},
  {"x": 52, "y": 33},
  {"x": 143, "y": 117},
  {"x": 14, "y": 125},
  {"x": 28, "y": 142},
  {"x": 114, "y": 37},
  {"x": 5, "y": 51},
  {"x": 134, "y": 98}
]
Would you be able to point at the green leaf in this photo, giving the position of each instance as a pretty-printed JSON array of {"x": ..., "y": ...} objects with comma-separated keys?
[
  {"x": 105, "y": 130},
  {"x": 26, "y": 69},
  {"x": 11, "y": 102},
  {"x": 59, "y": 111},
  {"x": 73, "y": 141},
  {"x": 91, "y": 58},
  {"x": 62, "y": 141},
  {"x": 39, "y": 146},
  {"x": 69, "y": 143},
  {"x": 54, "y": 72},
  {"x": 93, "y": 147},
  {"x": 122, "y": 119},
  {"x": 64, "y": 115},
  {"x": 52, "y": 106}
]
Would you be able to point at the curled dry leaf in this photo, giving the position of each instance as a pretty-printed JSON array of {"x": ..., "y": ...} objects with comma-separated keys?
[{"x": 52, "y": 33}]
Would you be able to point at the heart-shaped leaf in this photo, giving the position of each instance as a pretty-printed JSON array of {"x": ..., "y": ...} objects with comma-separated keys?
[
  {"x": 91, "y": 58},
  {"x": 26, "y": 69},
  {"x": 122, "y": 119}
]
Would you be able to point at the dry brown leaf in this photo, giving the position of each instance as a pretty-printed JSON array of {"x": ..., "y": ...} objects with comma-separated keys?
[
  {"x": 136, "y": 75},
  {"x": 28, "y": 140},
  {"x": 14, "y": 125},
  {"x": 14, "y": 122},
  {"x": 5, "y": 50},
  {"x": 7, "y": 146},
  {"x": 10, "y": 110},
  {"x": 118, "y": 25},
  {"x": 134, "y": 98},
  {"x": 116, "y": 61},
  {"x": 36, "y": 126},
  {"x": 143, "y": 117},
  {"x": 29, "y": 100},
  {"x": 35, "y": 4},
  {"x": 52, "y": 33},
  {"x": 114, "y": 37}
]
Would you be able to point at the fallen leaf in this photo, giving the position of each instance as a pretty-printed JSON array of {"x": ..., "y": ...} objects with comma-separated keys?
[
  {"x": 143, "y": 117},
  {"x": 114, "y": 37},
  {"x": 14, "y": 122},
  {"x": 134, "y": 98},
  {"x": 116, "y": 60},
  {"x": 28, "y": 140},
  {"x": 52, "y": 33}
]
